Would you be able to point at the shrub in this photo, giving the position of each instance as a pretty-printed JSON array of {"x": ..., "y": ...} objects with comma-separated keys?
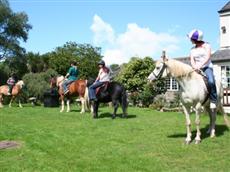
[{"x": 37, "y": 83}]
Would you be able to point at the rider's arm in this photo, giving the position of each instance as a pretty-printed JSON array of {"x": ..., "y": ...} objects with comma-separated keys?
[
  {"x": 193, "y": 63},
  {"x": 98, "y": 76},
  {"x": 67, "y": 75}
]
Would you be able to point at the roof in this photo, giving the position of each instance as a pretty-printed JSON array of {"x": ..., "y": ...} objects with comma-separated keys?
[
  {"x": 226, "y": 8},
  {"x": 221, "y": 55}
]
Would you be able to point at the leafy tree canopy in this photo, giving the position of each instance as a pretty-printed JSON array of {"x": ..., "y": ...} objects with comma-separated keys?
[
  {"x": 13, "y": 28},
  {"x": 134, "y": 74},
  {"x": 85, "y": 55}
]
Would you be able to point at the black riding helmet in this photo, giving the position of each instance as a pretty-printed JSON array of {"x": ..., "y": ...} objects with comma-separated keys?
[{"x": 101, "y": 62}]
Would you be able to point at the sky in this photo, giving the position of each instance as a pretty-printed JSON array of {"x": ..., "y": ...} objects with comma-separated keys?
[{"x": 122, "y": 28}]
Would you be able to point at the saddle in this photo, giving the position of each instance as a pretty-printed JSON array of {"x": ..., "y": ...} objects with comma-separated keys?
[
  {"x": 102, "y": 88},
  {"x": 200, "y": 72}
]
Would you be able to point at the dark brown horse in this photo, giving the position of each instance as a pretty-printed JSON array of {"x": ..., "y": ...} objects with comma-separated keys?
[
  {"x": 76, "y": 88},
  {"x": 15, "y": 92}
]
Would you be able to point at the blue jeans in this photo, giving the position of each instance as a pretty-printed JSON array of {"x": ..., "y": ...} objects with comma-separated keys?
[
  {"x": 92, "y": 89},
  {"x": 66, "y": 83},
  {"x": 211, "y": 82}
]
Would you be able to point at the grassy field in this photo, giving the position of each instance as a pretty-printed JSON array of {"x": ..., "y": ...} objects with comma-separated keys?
[{"x": 147, "y": 141}]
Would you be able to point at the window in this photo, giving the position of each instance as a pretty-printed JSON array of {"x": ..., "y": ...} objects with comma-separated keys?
[
  {"x": 225, "y": 76},
  {"x": 223, "y": 28},
  {"x": 171, "y": 84}
]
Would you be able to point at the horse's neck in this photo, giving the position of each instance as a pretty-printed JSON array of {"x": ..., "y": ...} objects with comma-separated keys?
[
  {"x": 60, "y": 81},
  {"x": 178, "y": 69}
]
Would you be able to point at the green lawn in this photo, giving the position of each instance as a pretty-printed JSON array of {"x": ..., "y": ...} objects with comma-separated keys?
[{"x": 147, "y": 141}]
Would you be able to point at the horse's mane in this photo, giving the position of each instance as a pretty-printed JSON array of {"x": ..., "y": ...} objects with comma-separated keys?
[
  {"x": 20, "y": 82},
  {"x": 178, "y": 69}
]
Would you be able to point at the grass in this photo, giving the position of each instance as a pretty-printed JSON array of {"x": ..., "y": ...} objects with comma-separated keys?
[{"x": 147, "y": 141}]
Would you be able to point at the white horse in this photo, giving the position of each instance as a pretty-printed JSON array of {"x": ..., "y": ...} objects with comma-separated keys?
[
  {"x": 77, "y": 88},
  {"x": 194, "y": 93}
]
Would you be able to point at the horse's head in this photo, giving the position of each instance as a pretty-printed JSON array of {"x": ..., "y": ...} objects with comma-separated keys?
[
  {"x": 159, "y": 71},
  {"x": 59, "y": 80},
  {"x": 20, "y": 83}
]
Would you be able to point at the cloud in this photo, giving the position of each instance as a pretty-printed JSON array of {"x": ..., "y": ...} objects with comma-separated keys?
[
  {"x": 103, "y": 32},
  {"x": 135, "y": 41}
]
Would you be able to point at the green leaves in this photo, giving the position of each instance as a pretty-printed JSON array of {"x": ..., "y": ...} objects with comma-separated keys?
[
  {"x": 134, "y": 74},
  {"x": 13, "y": 28}
]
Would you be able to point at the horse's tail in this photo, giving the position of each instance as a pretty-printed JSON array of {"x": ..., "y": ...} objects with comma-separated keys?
[
  {"x": 124, "y": 101},
  {"x": 220, "y": 93}
]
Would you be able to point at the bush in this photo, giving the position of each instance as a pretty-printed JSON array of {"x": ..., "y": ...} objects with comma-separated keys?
[
  {"x": 159, "y": 102},
  {"x": 37, "y": 83}
]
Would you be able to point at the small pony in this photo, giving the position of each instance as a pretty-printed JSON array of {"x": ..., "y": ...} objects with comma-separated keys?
[
  {"x": 15, "y": 92},
  {"x": 194, "y": 93},
  {"x": 115, "y": 93},
  {"x": 76, "y": 88}
]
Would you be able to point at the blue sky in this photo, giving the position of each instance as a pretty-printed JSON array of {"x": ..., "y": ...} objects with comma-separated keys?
[{"x": 121, "y": 28}]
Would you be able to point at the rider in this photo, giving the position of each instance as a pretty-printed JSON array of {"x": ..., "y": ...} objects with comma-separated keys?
[
  {"x": 70, "y": 77},
  {"x": 200, "y": 57},
  {"x": 11, "y": 82},
  {"x": 103, "y": 76}
]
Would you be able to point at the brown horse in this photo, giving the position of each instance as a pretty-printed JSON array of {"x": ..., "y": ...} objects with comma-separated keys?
[
  {"x": 15, "y": 92},
  {"x": 76, "y": 88}
]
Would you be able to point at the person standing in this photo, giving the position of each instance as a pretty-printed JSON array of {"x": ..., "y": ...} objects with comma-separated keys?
[
  {"x": 200, "y": 57},
  {"x": 71, "y": 76}
]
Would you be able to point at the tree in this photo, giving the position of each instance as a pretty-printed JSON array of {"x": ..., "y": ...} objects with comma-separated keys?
[
  {"x": 86, "y": 55},
  {"x": 13, "y": 28},
  {"x": 37, "y": 63},
  {"x": 134, "y": 74}
]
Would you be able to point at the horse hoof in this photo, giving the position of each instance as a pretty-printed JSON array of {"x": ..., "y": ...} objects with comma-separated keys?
[
  {"x": 124, "y": 116},
  {"x": 187, "y": 142},
  {"x": 212, "y": 135},
  {"x": 197, "y": 142},
  {"x": 113, "y": 117}
]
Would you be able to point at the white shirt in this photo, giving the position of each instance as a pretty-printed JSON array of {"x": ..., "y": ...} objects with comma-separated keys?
[
  {"x": 103, "y": 76},
  {"x": 200, "y": 54}
]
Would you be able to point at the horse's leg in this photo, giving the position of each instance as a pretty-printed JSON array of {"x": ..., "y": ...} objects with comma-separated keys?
[
  {"x": 1, "y": 99},
  {"x": 67, "y": 103},
  {"x": 83, "y": 104},
  {"x": 212, "y": 116},
  {"x": 62, "y": 105},
  {"x": 95, "y": 109},
  {"x": 19, "y": 103},
  {"x": 188, "y": 125},
  {"x": 11, "y": 100},
  {"x": 115, "y": 106},
  {"x": 197, "y": 121}
]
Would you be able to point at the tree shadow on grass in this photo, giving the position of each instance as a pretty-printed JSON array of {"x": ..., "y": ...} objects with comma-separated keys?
[
  {"x": 220, "y": 130},
  {"x": 109, "y": 115}
]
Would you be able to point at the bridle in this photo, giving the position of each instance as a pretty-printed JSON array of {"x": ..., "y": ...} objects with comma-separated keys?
[{"x": 159, "y": 75}]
